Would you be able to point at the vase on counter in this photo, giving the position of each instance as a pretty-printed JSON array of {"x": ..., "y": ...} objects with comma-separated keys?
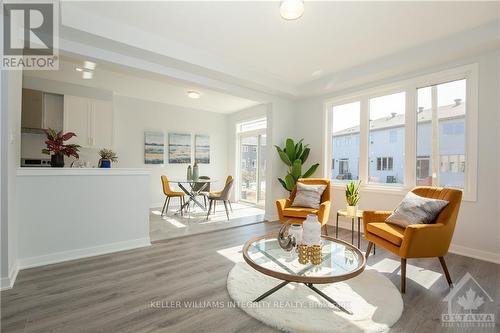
[
  {"x": 189, "y": 175},
  {"x": 57, "y": 160},
  {"x": 195, "y": 171},
  {"x": 104, "y": 163}
]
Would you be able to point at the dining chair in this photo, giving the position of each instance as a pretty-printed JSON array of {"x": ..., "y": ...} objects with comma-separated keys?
[
  {"x": 223, "y": 196},
  {"x": 228, "y": 179},
  {"x": 170, "y": 194}
]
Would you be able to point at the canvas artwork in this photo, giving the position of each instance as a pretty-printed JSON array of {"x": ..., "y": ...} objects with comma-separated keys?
[
  {"x": 202, "y": 149},
  {"x": 179, "y": 148},
  {"x": 154, "y": 147}
]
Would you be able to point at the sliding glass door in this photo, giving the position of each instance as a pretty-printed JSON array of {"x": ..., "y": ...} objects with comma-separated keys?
[{"x": 252, "y": 167}]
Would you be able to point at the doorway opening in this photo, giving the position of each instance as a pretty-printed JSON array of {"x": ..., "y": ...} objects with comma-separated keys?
[{"x": 252, "y": 162}]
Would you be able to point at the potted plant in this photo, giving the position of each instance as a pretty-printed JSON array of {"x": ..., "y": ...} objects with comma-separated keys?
[
  {"x": 57, "y": 149},
  {"x": 107, "y": 156},
  {"x": 352, "y": 197},
  {"x": 294, "y": 155}
]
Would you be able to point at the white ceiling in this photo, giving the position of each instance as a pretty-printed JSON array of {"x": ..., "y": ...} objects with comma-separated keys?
[
  {"x": 143, "y": 85},
  {"x": 330, "y": 37}
]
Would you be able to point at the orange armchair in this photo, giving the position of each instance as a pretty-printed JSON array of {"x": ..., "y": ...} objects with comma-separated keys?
[
  {"x": 416, "y": 240},
  {"x": 290, "y": 214}
]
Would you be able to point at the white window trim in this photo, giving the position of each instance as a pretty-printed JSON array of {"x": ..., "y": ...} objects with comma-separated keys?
[{"x": 410, "y": 86}]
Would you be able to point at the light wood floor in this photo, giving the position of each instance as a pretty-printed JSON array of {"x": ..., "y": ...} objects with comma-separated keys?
[
  {"x": 173, "y": 226},
  {"x": 113, "y": 293}
]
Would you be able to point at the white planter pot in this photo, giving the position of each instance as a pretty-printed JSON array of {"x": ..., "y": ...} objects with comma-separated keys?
[{"x": 352, "y": 210}]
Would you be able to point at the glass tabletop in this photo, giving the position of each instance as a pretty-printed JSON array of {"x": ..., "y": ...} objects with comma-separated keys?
[{"x": 340, "y": 261}]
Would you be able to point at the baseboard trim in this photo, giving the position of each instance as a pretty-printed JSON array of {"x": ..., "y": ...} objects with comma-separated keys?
[
  {"x": 58, "y": 257},
  {"x": 455, "y": 249},
  {"x": 474, "y": 253},
  {"x": 8, "y": 282}
]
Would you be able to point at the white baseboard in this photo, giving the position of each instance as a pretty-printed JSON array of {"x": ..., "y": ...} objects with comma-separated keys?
[
  {"x": 8, "y": 282},
  {"x": 82, "y": 253},
  {"x": 474, "y": 253}
]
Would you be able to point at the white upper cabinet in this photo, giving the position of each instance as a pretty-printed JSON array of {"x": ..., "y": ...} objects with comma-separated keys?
[{"x": 90, "y": 119}]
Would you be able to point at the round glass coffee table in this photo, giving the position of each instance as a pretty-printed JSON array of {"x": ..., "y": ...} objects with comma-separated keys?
[{"x": 340, "y": 261}]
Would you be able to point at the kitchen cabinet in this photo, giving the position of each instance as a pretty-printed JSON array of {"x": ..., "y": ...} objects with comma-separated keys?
[
  {"x": 32, "y": 109},
  {"x": 90, "y": 119},
  {"x": 41, "y": 110}
]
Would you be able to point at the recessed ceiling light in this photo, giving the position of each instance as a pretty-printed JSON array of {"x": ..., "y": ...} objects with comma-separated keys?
[
  {"x": 193, "y": 94},
  {"x": 87, "y": 75},
  {"x": 291, "y": 9},
  {"x": 89, "y": 65},
  {"x": 78, "y": 69}
]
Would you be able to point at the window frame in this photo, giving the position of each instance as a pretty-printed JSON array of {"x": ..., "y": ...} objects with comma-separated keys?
[{"x": 409, "y": 86}]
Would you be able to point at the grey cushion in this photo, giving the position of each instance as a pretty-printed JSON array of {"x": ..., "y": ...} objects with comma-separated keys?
[
  {"x": 415, "y": 209},
  {"x": 308, "y": 195}
]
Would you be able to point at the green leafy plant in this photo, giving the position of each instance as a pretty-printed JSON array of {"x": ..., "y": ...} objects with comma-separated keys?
[
  {"x": 294, "y": 155},
  {"x": 108, "y": 154},
  {"x": 352, "y": 193}
]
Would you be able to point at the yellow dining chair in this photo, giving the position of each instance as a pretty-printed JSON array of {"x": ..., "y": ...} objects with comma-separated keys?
[
  {"x": 170, "y": 194},
  {"x": 416, "y": 240}
]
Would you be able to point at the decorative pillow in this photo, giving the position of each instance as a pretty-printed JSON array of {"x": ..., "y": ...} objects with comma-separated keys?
[
  {"x": 308, "y": 195},
  {"x": 415, "y": 209}
]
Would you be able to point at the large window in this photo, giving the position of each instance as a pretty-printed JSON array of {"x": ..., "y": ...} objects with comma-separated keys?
[
  {"x": 345, "y": 142},
  {"x": 421, "y": 131},
  {"x": 441, "y": 132},
  {"x": 387, "y": 123}
]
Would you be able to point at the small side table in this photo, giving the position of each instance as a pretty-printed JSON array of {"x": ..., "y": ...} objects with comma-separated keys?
[{"x": 359, "y": 216}]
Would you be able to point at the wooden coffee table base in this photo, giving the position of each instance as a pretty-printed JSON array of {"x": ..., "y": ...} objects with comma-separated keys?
[{"x": 310, "y": 286}]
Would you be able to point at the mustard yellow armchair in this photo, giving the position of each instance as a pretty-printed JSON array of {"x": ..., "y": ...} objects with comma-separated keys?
[
  {"x": 416, "y": 240},
  {"x": 290, "y": 214}
]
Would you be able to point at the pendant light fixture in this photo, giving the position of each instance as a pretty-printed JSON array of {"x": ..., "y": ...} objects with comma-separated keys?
[{"x": 291, "y": 9}]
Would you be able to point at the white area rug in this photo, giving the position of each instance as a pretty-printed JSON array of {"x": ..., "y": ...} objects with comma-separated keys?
[{"x": 375, "y": 302}]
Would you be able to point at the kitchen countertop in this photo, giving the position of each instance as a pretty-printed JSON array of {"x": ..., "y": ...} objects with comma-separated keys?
[{"x": 29, "y": 171}]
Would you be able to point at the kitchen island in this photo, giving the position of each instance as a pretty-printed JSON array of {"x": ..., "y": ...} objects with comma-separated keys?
[{"x": 70, "y": 213}]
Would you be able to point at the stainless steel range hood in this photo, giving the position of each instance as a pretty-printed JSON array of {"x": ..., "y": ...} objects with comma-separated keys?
[{"x": 41, "y": 110}]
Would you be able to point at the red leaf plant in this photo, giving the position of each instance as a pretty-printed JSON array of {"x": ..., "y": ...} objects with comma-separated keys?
[{"x": 55, "y": 143}]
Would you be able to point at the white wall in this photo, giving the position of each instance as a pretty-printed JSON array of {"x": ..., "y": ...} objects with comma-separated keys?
[
  {"x": 477, "y": 232},
  {"x": 66, "y": 214},
  {"x": 10, "y": 147},
  {"x": 134, "y": 116}
]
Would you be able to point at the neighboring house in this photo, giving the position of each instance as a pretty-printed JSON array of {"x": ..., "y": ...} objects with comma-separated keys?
[{"x": 386, "y": 148}]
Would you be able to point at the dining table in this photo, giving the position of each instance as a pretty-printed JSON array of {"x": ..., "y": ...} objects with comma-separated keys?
[{"x": 192, "y": 188}]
